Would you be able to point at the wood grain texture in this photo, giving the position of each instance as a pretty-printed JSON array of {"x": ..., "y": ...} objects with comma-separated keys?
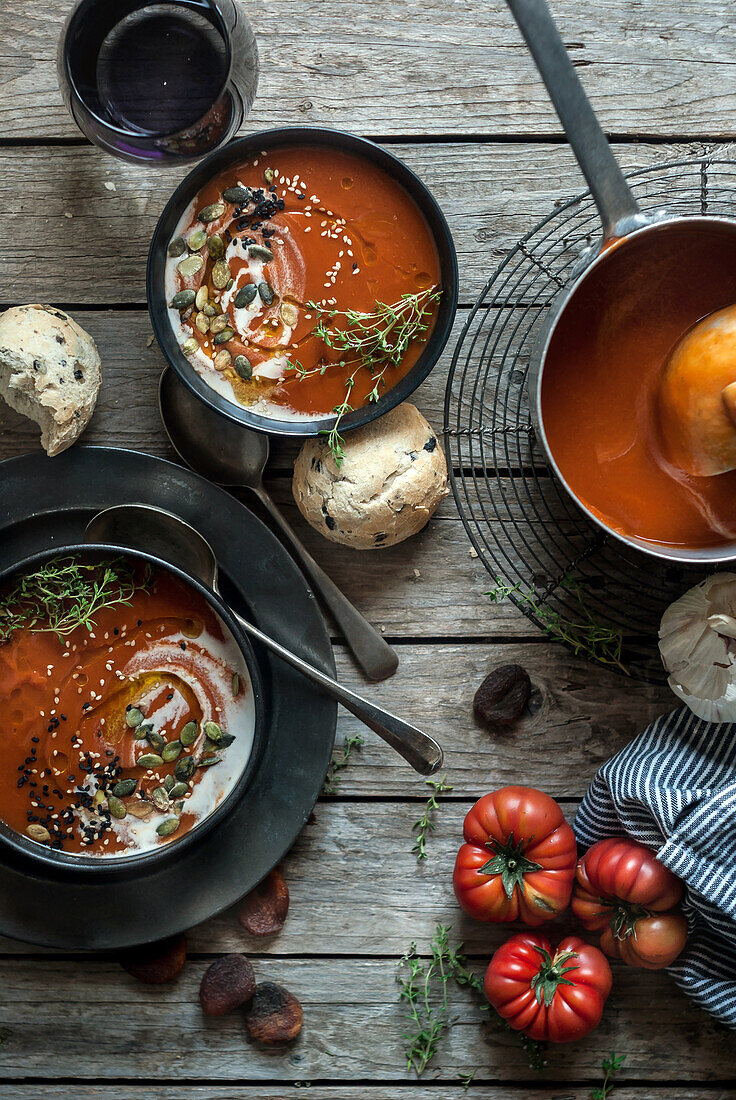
[
  {"x": 492, "y": 194},
  {"x": 456, "y": 1089},
  {"x": 430, "y": 67},
  {"x": 98, "y": 1022}
]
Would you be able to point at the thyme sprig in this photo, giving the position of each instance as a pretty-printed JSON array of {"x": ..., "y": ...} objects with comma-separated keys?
[
  {"x": 374, "y": 341},
  {"x": 586, "y": 636},
  {"x": 610, "y": 1067},
  {"x": 66, "y": 594},
  {"x": 349, "y": 745},
  {"x": 424, "y": 824},
  {"x": 425, "y": 990}
]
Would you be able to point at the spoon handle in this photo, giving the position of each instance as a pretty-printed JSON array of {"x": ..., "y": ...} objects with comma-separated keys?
[
  {"x": 417, "y": 748},
  {"x": 372, "y": 652}
]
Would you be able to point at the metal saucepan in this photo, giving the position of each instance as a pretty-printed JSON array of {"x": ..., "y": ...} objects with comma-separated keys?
[{"x": 643, "y": 264}]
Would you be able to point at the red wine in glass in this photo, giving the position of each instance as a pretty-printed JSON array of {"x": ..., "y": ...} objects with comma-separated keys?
[{"x": 164, "y": 82}]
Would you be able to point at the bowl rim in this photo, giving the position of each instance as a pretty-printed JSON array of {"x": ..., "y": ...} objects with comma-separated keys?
[
  {"x": 274, "y": 139},
  {"x": 58, "y": 862}
]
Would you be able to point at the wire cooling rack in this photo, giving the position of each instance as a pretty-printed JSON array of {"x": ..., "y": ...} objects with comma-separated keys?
[{"x": 568, "y": 577}]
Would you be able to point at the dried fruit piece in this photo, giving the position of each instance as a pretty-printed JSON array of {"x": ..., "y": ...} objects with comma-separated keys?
[
  {"x": 156, "y": 963},
  {"x": 263, "y": 911},
  {"x": 226, "y": 985},
  {"x": 501, "y": 698},
  {"x": 274, "y": 1015}
]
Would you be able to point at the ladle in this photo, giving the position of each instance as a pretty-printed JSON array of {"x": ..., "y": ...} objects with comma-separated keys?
[
  {"x": 161, "y": 533},
  {"x": 640, "y": 259}
]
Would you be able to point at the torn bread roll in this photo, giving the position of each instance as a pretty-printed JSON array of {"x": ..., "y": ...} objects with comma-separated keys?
[
  {"x": 50, "y": 371},
  {"x": 391, "y": 480}
]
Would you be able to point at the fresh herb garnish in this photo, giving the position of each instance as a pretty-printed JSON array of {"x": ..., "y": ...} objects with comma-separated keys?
[
  {"x": 424, "y": 824},
  {"x": 373, "y": 341},
  {"x": 610, "y": 1067},
  {"x": 425, "y": 992},
  {"x": 66, "y": 594},
  {"x": 338, "y": 763},
  {"x": 586, "y": 636}
]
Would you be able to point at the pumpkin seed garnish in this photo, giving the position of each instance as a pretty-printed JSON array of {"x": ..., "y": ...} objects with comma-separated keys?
[
  {"x": 169, "y": 782},
  {"x": 182, "y": 300},
  {"x": 209, "y": 310},
  {"x": 222, "y": 360},
  {"x": 218, "y": 324},
  {"x": 140, "y": 809},
  {"x": 190, "y": 346},
  {"x": 38, "y": 832},
  {"x": 236, "y": 684},
  {"x": 243, "y": 367},
  {"x": 166, "y": 828},
  {"x": 172, "y": 751},
  {"x": 98, "y": 797},
  {"x": 197, "y": 240},
  {"x": 220, "y": 274},
  {"x": 216, "y": 246},
  {"x": 213, "y": 732},
  {"x": 124, "y": 788},
  {"x": 149, "y": 760},
  {"x": 191, "y": 265},
  {"x": 202, "y": 297},
  {"x": 237, "y": 195},
  {"x": 268, "y": 175},
  {"x": 184, "y": 769},
  {"x": 179, "y": 806},
  {"x": 134, "y": 717},
  {"x": 211, "y": 213},
  {"x": 142, "y": 731},
  {"x": 189, "y": 734},
  {"x": 260, "y": 252},
  {"x": 227, "y": 739},
  {"x": 289, "y": 313},
  {"x": 116, "y": 807},
  {"x": 223, "y": 337},
  {"x": 178, "y": 790},
  {"x": 177, "y": 247},
  {"x": 160, "y": 798},
  {"x": 266, "y": 293},
  {"x": 208, "y": 761},
  {"x": 202, "y": 322},
  {"x": 155, "y": 740},
  {"x": 245, "y": 296}
]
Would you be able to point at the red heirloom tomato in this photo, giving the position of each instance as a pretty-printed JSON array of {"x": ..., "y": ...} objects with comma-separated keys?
[
  {"x": 623, "y": 891},
  {"x": 556, "y": 994},
  {"x": 518, "y": 860}
]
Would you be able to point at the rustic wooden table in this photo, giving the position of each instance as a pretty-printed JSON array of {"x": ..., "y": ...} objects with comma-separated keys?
[{"x": 450, "y": 87}]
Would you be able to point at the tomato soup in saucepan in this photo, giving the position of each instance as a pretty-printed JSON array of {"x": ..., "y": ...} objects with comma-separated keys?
[
  {"x": 303, "y": 279},
  {"x": 607, "y": 428},
  {"x": 128, "y": 708}
]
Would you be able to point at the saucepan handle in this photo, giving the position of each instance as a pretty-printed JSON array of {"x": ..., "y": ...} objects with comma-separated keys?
[{"x": 617, "y": 206}]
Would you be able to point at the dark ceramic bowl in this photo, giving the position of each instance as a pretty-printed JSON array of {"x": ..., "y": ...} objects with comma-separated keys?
[
  {"x": 239, "y": 151},
  {"x": 18, "y": 848}
]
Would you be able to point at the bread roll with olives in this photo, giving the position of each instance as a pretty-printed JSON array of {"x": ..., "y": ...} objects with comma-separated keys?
[
  {"x": 50, "y": 371},
  {"x": 391, "y": 480}
]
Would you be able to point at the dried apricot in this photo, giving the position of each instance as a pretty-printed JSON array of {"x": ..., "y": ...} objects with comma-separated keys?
[
  {"x": 226, "y": 985},
  {"x": 274, "y": 1015},
  {"x": 156, "y": 963},
  {"x": 263, "y": 911}
]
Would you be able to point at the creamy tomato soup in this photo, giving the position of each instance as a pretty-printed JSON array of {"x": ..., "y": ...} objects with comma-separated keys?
[
  {"x": 124, "y": 732},
  {"x": 273, "y": 262}
]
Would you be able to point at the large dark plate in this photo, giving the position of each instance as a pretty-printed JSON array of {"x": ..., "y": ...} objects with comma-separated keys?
[
  {"x": 237, "y": 152},
  {"x": 47, "y": 502}
]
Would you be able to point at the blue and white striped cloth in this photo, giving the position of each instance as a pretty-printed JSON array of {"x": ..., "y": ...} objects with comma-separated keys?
[{"x": 674, "y": 789}]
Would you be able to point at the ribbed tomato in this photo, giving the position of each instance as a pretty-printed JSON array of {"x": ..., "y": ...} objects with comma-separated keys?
[
  {"x": 518, "y": 860},
  {"x": 555, "y": 994},
  {"x": 623, "y": 891}
]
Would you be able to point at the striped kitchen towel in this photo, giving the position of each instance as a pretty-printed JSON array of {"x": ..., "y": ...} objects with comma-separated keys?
[{"x": 674, "y": 789}]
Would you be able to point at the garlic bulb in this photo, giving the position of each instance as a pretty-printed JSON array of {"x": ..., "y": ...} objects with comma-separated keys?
[{"x": 697, "y": 640}]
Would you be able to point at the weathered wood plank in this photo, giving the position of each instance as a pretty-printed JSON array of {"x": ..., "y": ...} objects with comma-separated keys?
[
  {"x": 341, "y": 1092},
  {"x": 429, "y": 68},
  {"x": 492, "y": 195},
  {"x": 97, "y": 1022}
]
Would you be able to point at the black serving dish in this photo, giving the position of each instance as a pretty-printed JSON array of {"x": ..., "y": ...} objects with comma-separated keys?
[
  {"x": 53, "y": 861},
  {"x": 238, "y": 151}
]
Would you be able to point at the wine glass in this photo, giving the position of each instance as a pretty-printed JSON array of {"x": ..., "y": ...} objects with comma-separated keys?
[{"x": 160, "y": 83}]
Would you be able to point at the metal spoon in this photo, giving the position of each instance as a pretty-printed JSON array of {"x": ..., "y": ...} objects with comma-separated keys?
[
  {"x": 229, "y": 454},
  {"x": 144, "y": 527}
]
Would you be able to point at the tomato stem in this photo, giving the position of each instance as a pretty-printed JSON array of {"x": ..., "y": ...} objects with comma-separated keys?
[{"x": 509, "y": 862}]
